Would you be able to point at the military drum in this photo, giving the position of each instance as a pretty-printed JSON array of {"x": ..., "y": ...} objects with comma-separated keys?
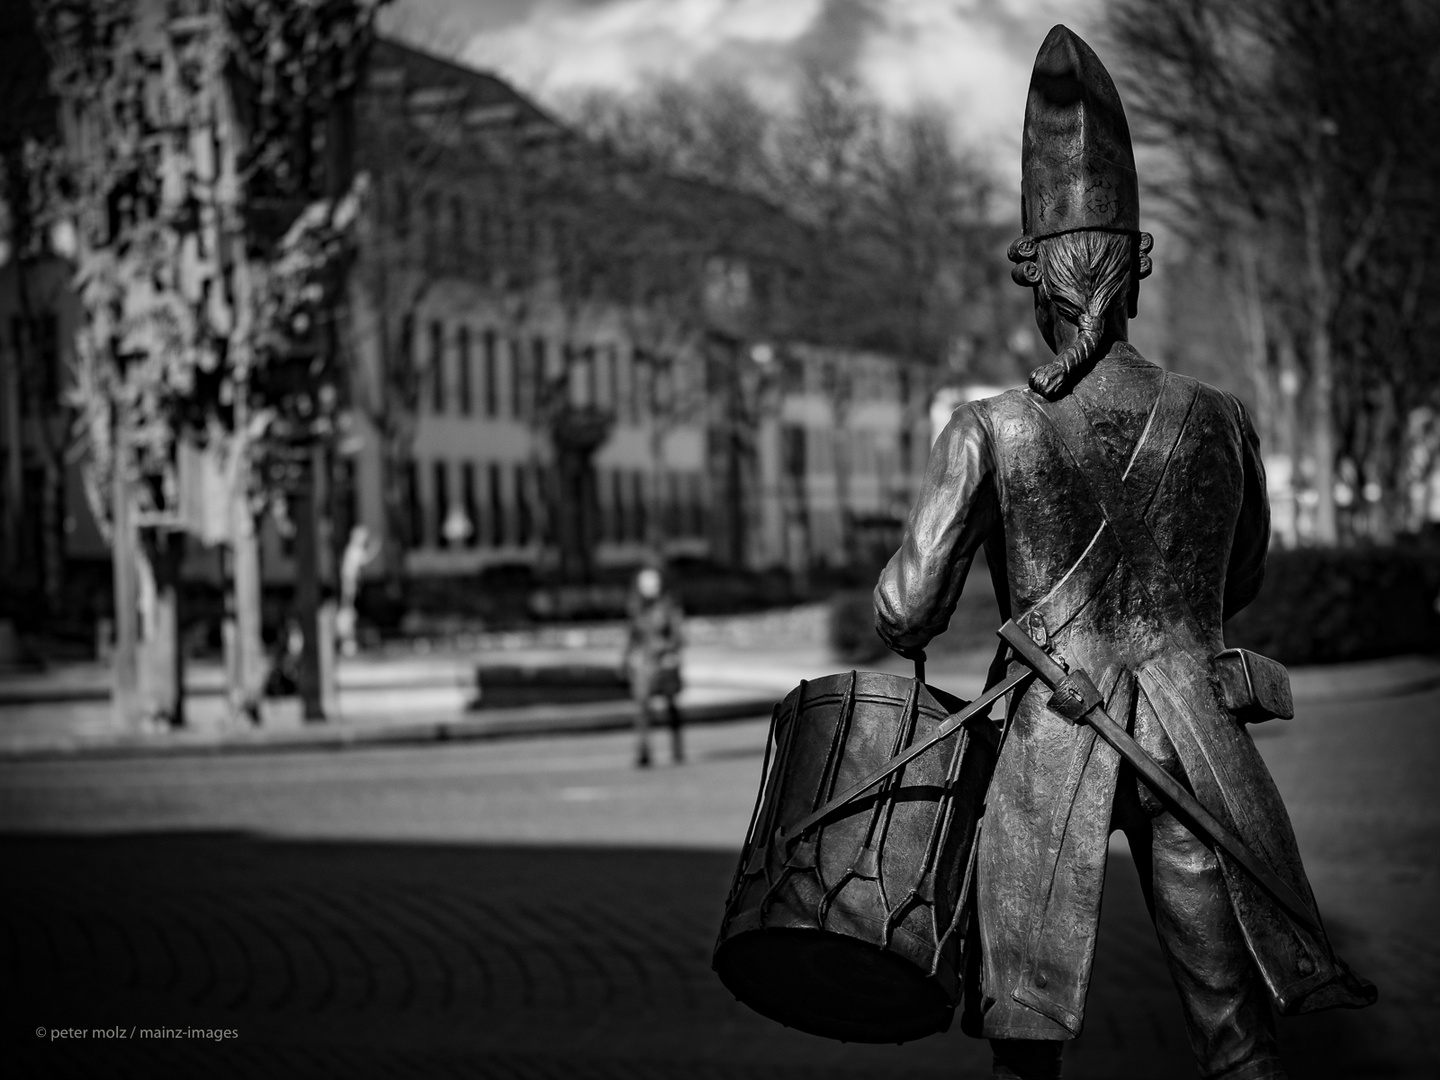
[{"x": 855, "y": 928}]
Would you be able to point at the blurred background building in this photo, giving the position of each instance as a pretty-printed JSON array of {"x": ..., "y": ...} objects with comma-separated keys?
[
  {"x": 562, "y": 357},
  {"x": 715, "y": 317}
]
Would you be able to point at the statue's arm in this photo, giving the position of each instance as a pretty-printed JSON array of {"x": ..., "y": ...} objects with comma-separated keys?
[
  {"x": 957, "y": 507},
  {"x": 1246, "y": 569}
]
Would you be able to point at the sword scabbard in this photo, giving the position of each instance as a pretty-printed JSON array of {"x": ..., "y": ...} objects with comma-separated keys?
[{"x": 1076, "y": 699}]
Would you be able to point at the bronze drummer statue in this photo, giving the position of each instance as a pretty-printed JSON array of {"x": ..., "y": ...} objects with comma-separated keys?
[{"x": 1123, "y": 513}]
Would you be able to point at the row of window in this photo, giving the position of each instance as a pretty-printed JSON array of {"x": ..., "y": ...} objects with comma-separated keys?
[
  {"x": 805, "y": 450},
  {"x": 481, "y": 373},
  {"x": 499, "y": 230},
  {"x": 470, "y": 504}
]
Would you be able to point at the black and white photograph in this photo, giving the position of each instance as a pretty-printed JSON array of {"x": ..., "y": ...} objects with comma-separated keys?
[{"x": 720, "y": 539}]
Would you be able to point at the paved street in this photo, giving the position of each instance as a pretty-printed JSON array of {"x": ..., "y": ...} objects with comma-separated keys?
[{"x": 538, "y": 908}]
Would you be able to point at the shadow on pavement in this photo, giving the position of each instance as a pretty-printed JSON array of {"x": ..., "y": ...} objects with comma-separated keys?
[{"x": 380, "y": 959}]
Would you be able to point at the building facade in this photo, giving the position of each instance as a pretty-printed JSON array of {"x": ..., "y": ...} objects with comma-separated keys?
[
  {"x": 715, "y": 431},
  {"x": 546, "y": 355}
]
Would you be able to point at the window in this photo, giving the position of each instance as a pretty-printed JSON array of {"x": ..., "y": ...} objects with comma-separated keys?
[
  {"x": 470, "y": 502},
  {"x": 539, "y": 361},
  {"x": 431, "y": 206},
  {"x": 401, "y": 205},
  {"x": 570, "y": 372},
  {"x": 503, "y": 246},
  {"x": 457, "y": 224},
  {"x": 532, "y": 235},
  {"x": 492, "y": 402},
  {"x": 605, "y": 530},
  {"x": 437, "y": 367},
  {"x": 592, "y": 377},
  {"x": 612, "y": 369},
  {"x": 697, "y": 504},
  {"x": 464, "y": 390},
  {"x": 486, "y": 239},
  {"x": 641, "y": 516},
  {"x": 497, "y": 507},
  {"x": 442, "y": 502},
  {"x": 670, "y": 503},
  {"x": 407, "y": 342},
  {"x": 617, "y": 522},
  {"x": 792, "y": 450},
  {"x": 523, "y": 524},
  {"x": 414, "y": 507},
  {"x": 625, "y": 384},
  {"x": 640, "y": 371},
  {"x": 519, "y": 386}
]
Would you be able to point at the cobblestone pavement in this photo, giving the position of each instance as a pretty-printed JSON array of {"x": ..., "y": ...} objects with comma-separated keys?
[{"x": 541, "y": 909}]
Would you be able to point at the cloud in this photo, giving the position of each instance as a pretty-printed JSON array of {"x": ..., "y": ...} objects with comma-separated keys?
[
  {"x": 972, "y": 56},
  {"x": 565, "y": 46}
]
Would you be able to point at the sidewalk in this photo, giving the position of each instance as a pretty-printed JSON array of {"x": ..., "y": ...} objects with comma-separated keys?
[
  {"x": 424, "y": 698},
  {"x": 66, "y": 711}
]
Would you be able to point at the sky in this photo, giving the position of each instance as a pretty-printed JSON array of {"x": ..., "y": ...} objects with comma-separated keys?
[{"x": 971, "y": 56}]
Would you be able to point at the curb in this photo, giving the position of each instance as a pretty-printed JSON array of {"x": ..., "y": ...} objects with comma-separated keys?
[
  {"x": 342, "y": 736},
  {"x": 1312, "y": 685}
]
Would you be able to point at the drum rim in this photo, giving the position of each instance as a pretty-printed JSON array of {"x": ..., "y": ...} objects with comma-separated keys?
[{"x": 917, "y": 1024}]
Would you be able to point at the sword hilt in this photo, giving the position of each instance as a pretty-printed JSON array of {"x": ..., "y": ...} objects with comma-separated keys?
[
  {"x": 1051, "y": 673},
  {"x": 1074, "y": 694}
]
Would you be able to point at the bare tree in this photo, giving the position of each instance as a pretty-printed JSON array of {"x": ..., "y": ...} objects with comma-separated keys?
[
  {"x": 1302, "y": 134},
  {"x": 892, "y": 209}
]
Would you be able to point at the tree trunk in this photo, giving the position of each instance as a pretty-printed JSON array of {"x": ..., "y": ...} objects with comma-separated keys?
[
  {"x": 125, "y": 694},
  {"x": 1289, "y": 433},
  {"x": 310, "y": 608},
  {"x": 397, "y": 524},
  {"x": 654, "y": 527},
  {"x": 52, "y": 538},
  {"x": 1322, "y": 375},
  {"x": 840, "y": 459},
  {"x": 1322, "y": 433},
  {"x": 14, "y": 456},
  {"x": 161, "y": 657},
  {"x": 247, "y": 675}
]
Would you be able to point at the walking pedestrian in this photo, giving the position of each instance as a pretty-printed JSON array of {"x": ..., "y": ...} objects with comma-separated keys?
[
  {"x": 652, "y": 659},
  {"x": 360, "y": 551}
]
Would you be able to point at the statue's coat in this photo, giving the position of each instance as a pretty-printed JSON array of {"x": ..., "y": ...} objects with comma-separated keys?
[{"x": 1001, "y": 475}]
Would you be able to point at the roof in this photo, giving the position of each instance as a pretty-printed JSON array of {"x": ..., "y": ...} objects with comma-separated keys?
[{"x": 433, "y": 80}]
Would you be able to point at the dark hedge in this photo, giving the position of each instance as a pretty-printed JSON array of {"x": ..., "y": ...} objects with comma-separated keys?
[
  {"x": 852, "y": 627},
  {"x": 1317, "y": 606},
  {"x": 1329, "y": 605},
  {"x": 973, "y": 626}
]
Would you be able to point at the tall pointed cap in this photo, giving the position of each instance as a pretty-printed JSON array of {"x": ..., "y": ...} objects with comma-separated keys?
[{"x": 1077, "y": 167}]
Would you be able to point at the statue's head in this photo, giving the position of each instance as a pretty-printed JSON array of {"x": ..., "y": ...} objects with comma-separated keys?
[{"x": 1082, "y": 252}]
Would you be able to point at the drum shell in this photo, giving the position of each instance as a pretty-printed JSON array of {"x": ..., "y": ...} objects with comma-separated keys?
[{"x": 905, "y": 892}]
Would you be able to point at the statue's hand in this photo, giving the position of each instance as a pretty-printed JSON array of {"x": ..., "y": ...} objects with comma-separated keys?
[{"x": 1048, "y": 380}]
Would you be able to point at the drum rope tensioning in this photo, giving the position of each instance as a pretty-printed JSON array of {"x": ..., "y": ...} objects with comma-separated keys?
[{"x": 850, "y": 905}]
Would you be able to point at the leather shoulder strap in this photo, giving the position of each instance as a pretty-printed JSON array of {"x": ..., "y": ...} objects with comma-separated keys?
[{"x": 1125, "y": 496}]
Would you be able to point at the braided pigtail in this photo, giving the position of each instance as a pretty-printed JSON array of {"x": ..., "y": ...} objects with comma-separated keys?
[{"x": 1085, "y": 274}]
